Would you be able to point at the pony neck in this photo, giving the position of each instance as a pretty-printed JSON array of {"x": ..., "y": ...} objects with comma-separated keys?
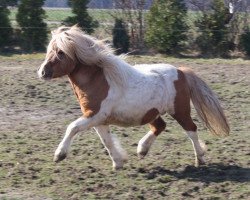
[
  {"x": 118, "y": 72},
  {"x": 83, "y": 75}
]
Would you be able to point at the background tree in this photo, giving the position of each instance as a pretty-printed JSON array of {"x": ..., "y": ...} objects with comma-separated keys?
[
  {"x": 82, "y": 18},
  {"x": 245, "y": 41},
  {"x": 166, "y": 25},
  {"x": 132, "y": 13},
  {"x": 30, "y": 17},
  {"x": 120, "y": 37},
  {"x": 214, "y": 32},
  {"x": 6, "y": 31},
  {"x": 239, "y": 22}
]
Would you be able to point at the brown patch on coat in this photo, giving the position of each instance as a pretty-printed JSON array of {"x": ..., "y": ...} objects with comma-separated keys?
[
  {"x": 182, "y": 103},
  {"x": 157, "y": 126},
  {"x": 90, "y": 87},
  {"x": 149, "y": 116}
]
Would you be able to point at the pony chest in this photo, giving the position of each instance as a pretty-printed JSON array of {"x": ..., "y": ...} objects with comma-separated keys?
[
  {"x": 90, "y": 98},
  {"x": 90, "y": 87}
]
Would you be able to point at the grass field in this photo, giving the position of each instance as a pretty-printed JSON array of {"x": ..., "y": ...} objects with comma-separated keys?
[
  {"x": 34, "y": 115},
  {"x": 57, "y": 15}
]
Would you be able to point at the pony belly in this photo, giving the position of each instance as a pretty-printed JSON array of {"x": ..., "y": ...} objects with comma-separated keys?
[
  {"x": 121, "y": 122},
  {"x": 135, "y": 116},
  {"x": 122, "y": 119}
]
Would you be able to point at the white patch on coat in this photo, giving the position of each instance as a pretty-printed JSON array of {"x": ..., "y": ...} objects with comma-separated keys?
[
  {"x": 145, "y": 144},
  {"x": 146, "y": 87},
  {"x": 199, "y": 147}
]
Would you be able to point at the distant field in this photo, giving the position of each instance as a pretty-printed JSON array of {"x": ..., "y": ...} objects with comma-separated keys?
[
  {"x": 60, "y": 14},
  {"x": 103, "y": 16},
  {"x": 55, "y": 17}
]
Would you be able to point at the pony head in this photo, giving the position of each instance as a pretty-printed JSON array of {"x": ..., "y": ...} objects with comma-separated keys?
[{"x": 68, "y": 48}]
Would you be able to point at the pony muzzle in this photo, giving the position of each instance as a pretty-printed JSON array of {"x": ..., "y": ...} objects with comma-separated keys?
[{"x": 45, "y": 72}]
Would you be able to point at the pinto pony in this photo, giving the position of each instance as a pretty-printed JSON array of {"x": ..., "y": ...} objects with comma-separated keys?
[{"x": 110, "y": 91}]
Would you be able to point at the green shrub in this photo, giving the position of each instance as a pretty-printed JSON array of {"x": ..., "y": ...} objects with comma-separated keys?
[
  {"x": 30, "y": 17},
  {"x": 81, "y": 18},
  {"x": 167, "y": 27},
  {"x": 214, "y": 34},
  {"x": 120, "y": 37},
  {"x": 6, "y": 30},
  {"x": 245, "y": 41}
]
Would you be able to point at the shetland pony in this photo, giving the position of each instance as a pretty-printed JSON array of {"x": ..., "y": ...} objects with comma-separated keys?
[{"x": 110, "y": 91}]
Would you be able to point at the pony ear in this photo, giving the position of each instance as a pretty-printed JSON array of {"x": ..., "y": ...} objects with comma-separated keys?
[
  {"x": 60, "y": 30},
  {"x": 76, "y": 27}
]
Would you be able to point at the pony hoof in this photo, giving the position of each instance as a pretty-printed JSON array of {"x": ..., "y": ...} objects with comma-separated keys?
[
  {"x": 118, "y": 165},
  {"x": 116, "y": 168},
  {"x": 199, "y": 162},
  {"x": 142, "y": 152},
  {"x": 59, "y": 157},
  {"x": 141, "y": 155}
]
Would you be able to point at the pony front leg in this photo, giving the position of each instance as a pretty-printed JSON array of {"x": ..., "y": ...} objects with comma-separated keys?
[
  {"x": 113, "y": 146},
  {"x": 81, "y": 124}
]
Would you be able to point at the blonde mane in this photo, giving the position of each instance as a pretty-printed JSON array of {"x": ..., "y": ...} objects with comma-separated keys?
[
  {"x": 90, "y": 51},
  {"x": 78, "y": 45}
]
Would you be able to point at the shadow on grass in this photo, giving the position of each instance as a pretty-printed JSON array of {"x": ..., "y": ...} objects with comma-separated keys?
[{"x": 216, "y": 172}]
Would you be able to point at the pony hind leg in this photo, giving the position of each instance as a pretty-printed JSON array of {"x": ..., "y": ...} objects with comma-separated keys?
[
  {"x": 183, "y": 116},
  {"x": 113, "y": 146},
  {"x": 156, "y": 127},
  {"x": 191, "y": 130}
]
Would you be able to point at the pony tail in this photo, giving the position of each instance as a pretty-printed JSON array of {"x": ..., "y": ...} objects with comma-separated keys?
[{"x": 206, "y": 104}]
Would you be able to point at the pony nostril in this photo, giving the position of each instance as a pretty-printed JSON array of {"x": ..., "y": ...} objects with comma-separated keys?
[
  {"x": 38, "y": 69},
  {"x": 45, "y": 72}
]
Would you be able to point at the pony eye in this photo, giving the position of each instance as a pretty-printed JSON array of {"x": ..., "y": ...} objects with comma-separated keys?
[{"x": 60, "y": 53}]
